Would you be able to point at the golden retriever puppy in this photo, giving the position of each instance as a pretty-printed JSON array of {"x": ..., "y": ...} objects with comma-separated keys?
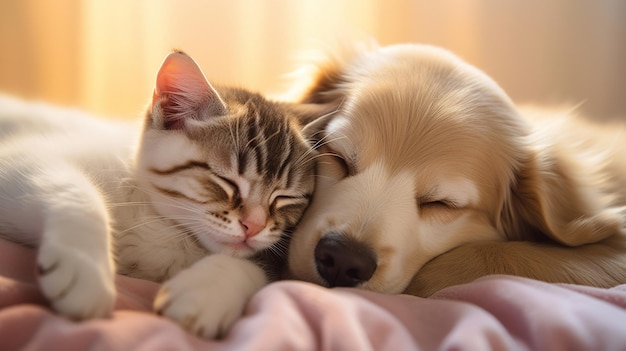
[{"x": 430, "y": 176}]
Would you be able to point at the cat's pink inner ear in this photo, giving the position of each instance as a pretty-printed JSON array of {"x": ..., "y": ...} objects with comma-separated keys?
[
  {"x": 185, "y": 87},
  {"x": 179, "y": 73}
]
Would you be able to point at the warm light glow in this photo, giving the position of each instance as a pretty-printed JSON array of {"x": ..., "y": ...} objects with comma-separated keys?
[{"x": 103, "y": 55}]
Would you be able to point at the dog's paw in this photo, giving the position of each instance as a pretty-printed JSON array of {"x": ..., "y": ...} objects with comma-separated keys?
[
  {"x": 77, "y": 285},
  {"x": 207, "y": 298}
]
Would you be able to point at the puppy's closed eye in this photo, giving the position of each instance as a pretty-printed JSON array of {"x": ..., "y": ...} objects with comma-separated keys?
[
  {"x": 438, "y": 204},
  {"x": 442, "y": 210}
]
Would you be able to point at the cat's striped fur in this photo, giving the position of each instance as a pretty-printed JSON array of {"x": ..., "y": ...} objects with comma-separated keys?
[{"x": 254, "y": 161}]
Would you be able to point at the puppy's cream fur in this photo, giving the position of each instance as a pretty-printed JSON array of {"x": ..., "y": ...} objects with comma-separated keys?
[{"x": 429, "y": 163}]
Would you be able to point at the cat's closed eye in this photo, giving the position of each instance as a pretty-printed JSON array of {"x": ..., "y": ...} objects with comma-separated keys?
[
  {"x": 282, "y": 201},
  {"x": 232, "y": 186},
  {"x": 229, "y": 186},
  {"x": 289, "y": 207}
]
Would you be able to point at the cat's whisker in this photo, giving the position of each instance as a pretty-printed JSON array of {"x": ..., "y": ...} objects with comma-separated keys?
[
  {"x": 302, "y": 160},
  {"x": 182, "y": 230},
  {"x": 279, "y": 248},
  {"x": 315, "y": 157},
  {"x": 177, "y": 203},
  {"x": 176, "y": 206},
  {"x": 147, "y": 220},
  {"x": 337, "y": 109},
  {"x": 327, "y": 138},
  {"x": 140, "y": 224}
]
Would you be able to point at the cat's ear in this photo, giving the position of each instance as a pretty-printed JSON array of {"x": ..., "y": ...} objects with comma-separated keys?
[{"x": 182, "y": 92}]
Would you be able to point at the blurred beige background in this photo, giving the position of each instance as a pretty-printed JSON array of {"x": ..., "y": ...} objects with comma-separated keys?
[{"x": 103, "y": 55}]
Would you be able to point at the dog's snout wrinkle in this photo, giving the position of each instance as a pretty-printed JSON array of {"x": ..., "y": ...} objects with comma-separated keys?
[{"x": 344, "y": 262}]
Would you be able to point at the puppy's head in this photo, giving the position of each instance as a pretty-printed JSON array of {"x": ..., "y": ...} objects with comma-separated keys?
[{"x": 423, "y": 155}]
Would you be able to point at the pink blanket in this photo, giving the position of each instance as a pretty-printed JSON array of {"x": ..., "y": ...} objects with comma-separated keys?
[{"x": 492, "y": 313}]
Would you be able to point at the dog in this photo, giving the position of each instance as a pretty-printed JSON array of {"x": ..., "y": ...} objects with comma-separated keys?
[{"x": 430, "y": 176}]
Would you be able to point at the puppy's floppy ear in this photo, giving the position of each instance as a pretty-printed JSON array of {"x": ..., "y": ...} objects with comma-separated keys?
[{"x": 555, "y": 196}]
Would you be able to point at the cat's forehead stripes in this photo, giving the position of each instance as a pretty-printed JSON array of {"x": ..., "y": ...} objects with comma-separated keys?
[
  {"x": 257, "y": 139},
  {"x": 269, "y": 145}
]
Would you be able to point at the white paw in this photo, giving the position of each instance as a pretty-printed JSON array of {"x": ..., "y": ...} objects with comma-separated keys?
[
  {"x": 77, "y": 285},
  {"x": 208, "y": 297}
]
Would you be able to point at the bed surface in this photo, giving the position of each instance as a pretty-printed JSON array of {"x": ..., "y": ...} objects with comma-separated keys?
[{"x": 492, "y": 313}]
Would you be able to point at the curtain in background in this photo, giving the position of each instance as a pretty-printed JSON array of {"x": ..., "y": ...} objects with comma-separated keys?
[{"x": 103, "y": 55}]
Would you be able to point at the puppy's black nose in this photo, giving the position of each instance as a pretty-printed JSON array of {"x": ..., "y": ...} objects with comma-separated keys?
[{"x": 343, "y": 261}]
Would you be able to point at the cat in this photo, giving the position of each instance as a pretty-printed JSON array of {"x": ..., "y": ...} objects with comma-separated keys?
[{"x": 199, "y": 197}]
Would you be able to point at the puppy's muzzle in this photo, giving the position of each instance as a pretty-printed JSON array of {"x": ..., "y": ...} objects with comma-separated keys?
[{"x": 343, "y": 261}]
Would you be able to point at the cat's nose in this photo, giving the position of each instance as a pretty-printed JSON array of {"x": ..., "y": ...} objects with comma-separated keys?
[
  {"x": 251, "y": 228},
  {"x": 253, "y": 220},
  {"x": 343, "y": 261}
]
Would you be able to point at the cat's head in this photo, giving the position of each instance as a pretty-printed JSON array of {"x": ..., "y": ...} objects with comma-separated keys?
[{"x": 226, "y": 165}]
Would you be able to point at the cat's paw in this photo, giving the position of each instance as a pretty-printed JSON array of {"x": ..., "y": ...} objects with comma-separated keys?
[
  {"x": 77, "y": 285},
  {"x": 208, "y": 297}
]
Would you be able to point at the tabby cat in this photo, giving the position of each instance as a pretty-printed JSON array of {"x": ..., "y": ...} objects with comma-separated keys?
[{"x": 214, "y": 177}]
